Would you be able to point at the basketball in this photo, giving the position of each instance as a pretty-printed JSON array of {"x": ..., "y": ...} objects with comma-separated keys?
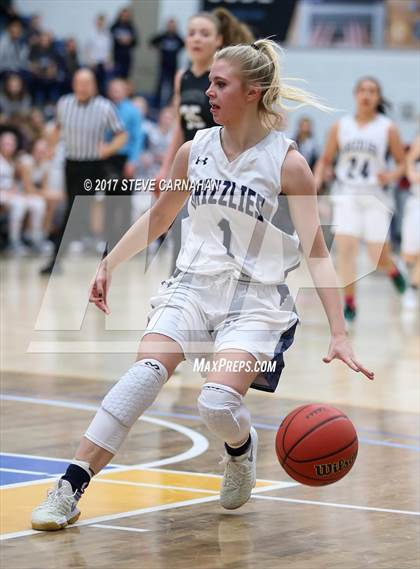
[{"x": 316, "y": 444}]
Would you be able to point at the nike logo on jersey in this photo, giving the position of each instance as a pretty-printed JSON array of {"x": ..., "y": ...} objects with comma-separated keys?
[{"x": 202, "y": 160}]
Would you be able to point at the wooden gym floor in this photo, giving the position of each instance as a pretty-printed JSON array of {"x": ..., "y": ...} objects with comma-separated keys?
[{"x": 157, "y": 505}]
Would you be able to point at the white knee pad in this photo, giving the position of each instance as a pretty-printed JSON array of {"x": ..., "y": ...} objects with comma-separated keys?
[
  {"x": 125, "y": 402},
  {"x": 223, "y": 412}
]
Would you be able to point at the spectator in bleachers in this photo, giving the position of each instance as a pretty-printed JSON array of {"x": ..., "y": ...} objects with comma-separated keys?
[
  {"x": 7, "y": 13},
  {"x": 69, "y": 65},
  {"x": 122, "y": 164},
  {"x": 147, "y": 123},
  {"x": 34, "y": 30},
  {"x": 125, "y": 38},
  {"x": 36, "y": 176},
  {"x": 131, "y": 119},
  {"x": 169, "y": 44},
  {"x": 13, "y": 49},
  {"x": 159, "y": 138},
  {"x": 15, "y": 97},
  {"x": 16, "y": 202},
  {"x": 34, "y": 170},
  {"x": 306, "y": 142},
  {"x": 98, "y": 52},
  {"x": 36, "y": 124},
  {"x": 44, "y": 65},
  {"x": 55, "y": 185},
  {"x": 28, "y": 126}
]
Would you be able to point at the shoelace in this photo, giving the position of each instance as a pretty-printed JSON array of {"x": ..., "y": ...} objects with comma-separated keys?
[
  {"x": 57, "y": 500},
  {"x": 234, "y": 471}
]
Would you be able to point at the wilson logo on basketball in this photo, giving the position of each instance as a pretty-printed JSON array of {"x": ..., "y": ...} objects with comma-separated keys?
[
  {"x": 315, "y": 412},
  {"x": 332, "y": 467}
]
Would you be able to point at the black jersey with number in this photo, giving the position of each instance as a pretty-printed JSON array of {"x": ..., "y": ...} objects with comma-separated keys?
[{"x": 194, "y": 108}]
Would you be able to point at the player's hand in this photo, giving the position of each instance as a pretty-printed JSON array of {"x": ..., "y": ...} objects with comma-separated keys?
[
  {"x": 99, "y": 288},
  {"x": 340, "y": 349},
  {"x": 104, "y": 151},
  {"x": 385, "y": 178},
  {"x": 129, "y": 169},
  {"x": 162, "y": 174},
  {"x": 159, "y": 181}
]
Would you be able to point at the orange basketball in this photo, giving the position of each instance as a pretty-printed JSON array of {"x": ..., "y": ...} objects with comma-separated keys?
[{"x": 316, "y": 444}]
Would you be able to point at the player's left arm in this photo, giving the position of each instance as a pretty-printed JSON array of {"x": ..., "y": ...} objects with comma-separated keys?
[
  {"x": 396, "y": 149},
  {"x": 413, "y": 156},
  {"x": 298, "y": 185}
]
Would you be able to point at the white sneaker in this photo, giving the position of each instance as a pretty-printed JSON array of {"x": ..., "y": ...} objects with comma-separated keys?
[
  {"x": 58, "y": 510},
  {"x": 240, "y": 476},
  {"x": 17, "y": 249},
  {"x": 409, "y": 299},
  {"x": 76, "y": 247}
]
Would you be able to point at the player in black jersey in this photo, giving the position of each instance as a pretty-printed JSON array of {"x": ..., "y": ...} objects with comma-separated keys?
[{"x": 207, "y": 32}]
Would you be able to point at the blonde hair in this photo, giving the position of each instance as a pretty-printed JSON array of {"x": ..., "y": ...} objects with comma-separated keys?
[
  {"x": 233, "y": 31},
  {"x": 259, "y": 64}
]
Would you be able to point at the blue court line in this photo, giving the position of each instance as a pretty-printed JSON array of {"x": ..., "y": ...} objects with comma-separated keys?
[
  {"x": 31, "y": 468},
  {"x": 267, "y": 427},
  {"x": 7, "y": 478},
  {"x": 359, "y": 429}
]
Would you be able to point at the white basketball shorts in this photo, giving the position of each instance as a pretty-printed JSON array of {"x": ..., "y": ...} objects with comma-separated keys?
[
  {"x": 410, "y": 234},
  {"x": 207, "y": 314},
  {"x": 364, "y": 216}
]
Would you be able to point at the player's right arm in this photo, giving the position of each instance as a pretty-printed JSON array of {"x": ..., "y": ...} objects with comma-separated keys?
[
  {"x": 178, "y": 135},
  {"x": 144, "y": 231},
  {"x": 326, "y": 159}
]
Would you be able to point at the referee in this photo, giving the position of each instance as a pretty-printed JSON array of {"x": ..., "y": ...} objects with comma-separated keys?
[{"x": 82, "y": 118}]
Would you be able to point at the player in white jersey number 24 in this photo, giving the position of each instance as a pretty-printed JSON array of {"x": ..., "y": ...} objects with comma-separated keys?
[
  {"x": 362, "y": 204},
  {"x": 229, "y": 291},
  {"x": 410, "y": 243}
]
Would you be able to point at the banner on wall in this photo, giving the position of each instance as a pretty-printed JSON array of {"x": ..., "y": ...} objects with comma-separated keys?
[{"x": 403, "y": 23}]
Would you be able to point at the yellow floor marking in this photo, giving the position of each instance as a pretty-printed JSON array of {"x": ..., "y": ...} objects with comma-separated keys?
[
  {"x": 17, "y": 503},
  {"x": 182, "y": 479}
]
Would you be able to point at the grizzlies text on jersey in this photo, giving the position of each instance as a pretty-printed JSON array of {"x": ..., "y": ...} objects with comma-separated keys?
[{"x": 231, "y": 210}]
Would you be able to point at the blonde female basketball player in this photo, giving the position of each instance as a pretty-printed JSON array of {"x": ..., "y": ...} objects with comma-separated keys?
[
  {"x": 229, "y": 290},
  {"x": 207, "y": 32},
  {"x": 362, "y": 206},
  {"x": 410, "y": 246}
]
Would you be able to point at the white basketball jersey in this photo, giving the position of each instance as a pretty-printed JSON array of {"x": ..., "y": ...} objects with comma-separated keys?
[
  {"x": 231, "y": 209},
  {"x": 415, "y": 188},
  {"x": 362, "y": 151}
]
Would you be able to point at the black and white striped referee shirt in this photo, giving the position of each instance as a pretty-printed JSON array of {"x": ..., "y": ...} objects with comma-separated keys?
[{"x": 83, "y": 125}]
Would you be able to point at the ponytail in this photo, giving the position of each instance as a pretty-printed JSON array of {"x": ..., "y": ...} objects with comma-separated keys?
[
  {"x": 259, "y": 64},
  {"x": 233, "y": 31}
]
